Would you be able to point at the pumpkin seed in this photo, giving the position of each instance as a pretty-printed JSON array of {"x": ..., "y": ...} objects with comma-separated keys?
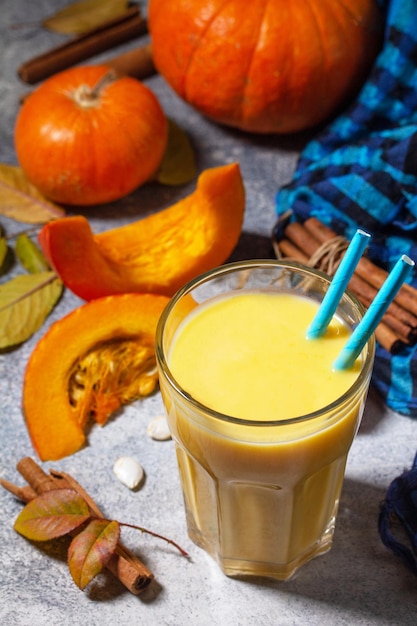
[
  {"x": 129, "y": 471},
  {"x": 158, "y": 428}
]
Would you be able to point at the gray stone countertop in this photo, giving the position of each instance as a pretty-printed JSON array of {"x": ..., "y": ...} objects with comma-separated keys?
[{"x": 359, "y": 582}]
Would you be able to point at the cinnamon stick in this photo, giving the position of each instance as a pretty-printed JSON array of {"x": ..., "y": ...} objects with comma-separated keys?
[
  {"x": 131, "y": 572},
  {"x": 114, "y": 32},
  {"x": 137, "y": 63},
  {"x": 290, "y": 250},
  {"x": 402, "y": 319},
  {"x": 367, "y": 278},
  {"x": 395, "y": 332},
  {"x": 406, "y": 297},
  {"x": 305, "y": 241},
  {"x": 124, "y": 565},
  {"x": 386, "y": 336},
  {"x": 25, "y": 493},
  {"x": 388, "y": 339}
]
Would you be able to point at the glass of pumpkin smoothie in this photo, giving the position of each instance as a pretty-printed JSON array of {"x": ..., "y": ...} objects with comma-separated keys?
[{"x": 261, "y": 421}]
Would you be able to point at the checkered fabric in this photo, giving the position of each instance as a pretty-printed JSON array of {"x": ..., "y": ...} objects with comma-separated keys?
[{"x": 361, "y": 171}]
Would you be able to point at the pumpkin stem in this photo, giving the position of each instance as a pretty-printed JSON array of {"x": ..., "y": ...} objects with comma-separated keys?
[{"x": 86, "y": 96}]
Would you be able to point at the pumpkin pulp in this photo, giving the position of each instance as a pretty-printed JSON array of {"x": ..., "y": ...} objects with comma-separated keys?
[{"x": 111, "y": 374}]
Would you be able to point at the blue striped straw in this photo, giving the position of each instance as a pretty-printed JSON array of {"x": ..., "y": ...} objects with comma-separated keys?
[
  {"x": 373, "y": 315},
  {"x": 338, "y": 285}
]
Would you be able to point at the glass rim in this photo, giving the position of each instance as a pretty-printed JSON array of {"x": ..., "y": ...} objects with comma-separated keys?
[{"x": 229, "y": 268}]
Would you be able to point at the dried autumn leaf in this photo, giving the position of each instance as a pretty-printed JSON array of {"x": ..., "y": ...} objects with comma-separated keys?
[
  {"x": 178, "y": 164},
  {"x": 52, "y": 514},
  {"x": 30, "y": 255},
  {"x": 22, "y": 201},
  {"x": 25, "y": 302},
  {"x": 80, "y": 17},
  {"x": 91, "y": 550},
  {"x": 3, "y": 250}
]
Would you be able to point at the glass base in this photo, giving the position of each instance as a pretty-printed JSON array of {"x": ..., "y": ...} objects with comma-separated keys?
[{"x": 233, "y": 567}]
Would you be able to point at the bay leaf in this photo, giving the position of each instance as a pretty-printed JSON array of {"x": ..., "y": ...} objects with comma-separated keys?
[
  {"x": 91, "y": 549},
  {"x": 22, "y": 201},
  {"x": 178, "y": 163},
  {"x": 30, "y": 255},
  {"x": 52, "y": 514},
  {"x": 80, "y": 17},
  {"x": 25, "y": 302}
]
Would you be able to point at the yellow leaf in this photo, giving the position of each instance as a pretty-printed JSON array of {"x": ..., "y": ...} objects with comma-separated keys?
[
  {"x": 80, "y": 17},
  {"x": 25, "y": 302},
  {"x": 22, "y": 201}
]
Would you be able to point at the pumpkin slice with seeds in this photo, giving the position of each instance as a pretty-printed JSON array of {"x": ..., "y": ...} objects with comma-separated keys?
[{"x": 87, "y": 365}]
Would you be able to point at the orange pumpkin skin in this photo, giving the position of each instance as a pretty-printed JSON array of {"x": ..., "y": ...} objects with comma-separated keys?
[
  {"x": 270, "y": 66},
  {"x": 84, "y": 148},
  {"x": 157, "y": 254},
  {"x": 52, "y": 420}
]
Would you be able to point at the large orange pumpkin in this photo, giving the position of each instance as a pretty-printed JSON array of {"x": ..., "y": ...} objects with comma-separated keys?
[
  {"x": 86, "y": 137},
  {"x": 266, "y": 66}
]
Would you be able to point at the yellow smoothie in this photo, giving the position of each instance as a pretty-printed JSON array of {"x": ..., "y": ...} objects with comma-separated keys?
[
  {"x": 261, "y": 489},
  {"x": 246, "y": 355}
]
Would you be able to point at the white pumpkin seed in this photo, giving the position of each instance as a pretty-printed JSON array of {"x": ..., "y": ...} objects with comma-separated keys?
[
  {"x": 129, "y": 471},
  {"x": 158, "y": 428}
]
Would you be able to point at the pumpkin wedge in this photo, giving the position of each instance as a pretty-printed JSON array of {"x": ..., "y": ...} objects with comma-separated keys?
[
  {"x": 89, "y": 363},
  {"x": 157, "y": 254}
]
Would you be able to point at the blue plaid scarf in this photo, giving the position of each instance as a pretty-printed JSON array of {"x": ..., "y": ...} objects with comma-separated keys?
[{"x": 361, "y": 170}]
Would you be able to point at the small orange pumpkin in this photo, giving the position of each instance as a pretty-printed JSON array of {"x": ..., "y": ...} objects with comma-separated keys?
[
  {"x": 267, "y": 66},
  {"x": 157, "y": 254},
  {"x": 87, "y": 137}
]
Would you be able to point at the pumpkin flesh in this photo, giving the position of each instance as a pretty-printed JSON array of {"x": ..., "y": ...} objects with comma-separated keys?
[
  {"x": 89, "y": 363},
  {"x": 272, "y": 66},
  {"x": 158, "y": 254}
]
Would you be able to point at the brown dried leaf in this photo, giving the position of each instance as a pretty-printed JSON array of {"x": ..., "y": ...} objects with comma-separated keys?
[
  {"x": 22, "y": 201},
  {"x": 80, "y": 17},
  {"x": 91, "y": 550},
  {"x": 52, "y": 514}
]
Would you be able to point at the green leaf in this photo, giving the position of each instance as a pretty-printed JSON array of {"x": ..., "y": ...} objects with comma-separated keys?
[
  {"x": 80, "y": 17},
  {"x": 22, "y": 201},
  {"x": 52, "y": 514},
  {"x": 30, "y": 255},
  {"x": 91, "y": 550},
  {"x": 25, "y": 302},
  {"x": 178, "y": 164}
]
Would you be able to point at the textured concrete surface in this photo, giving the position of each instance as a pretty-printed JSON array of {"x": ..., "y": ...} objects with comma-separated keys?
[{"x": 359, "y": 582}]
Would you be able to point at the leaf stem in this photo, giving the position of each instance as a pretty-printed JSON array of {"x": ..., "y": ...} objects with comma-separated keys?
[{"x": 157, "y": 535}]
